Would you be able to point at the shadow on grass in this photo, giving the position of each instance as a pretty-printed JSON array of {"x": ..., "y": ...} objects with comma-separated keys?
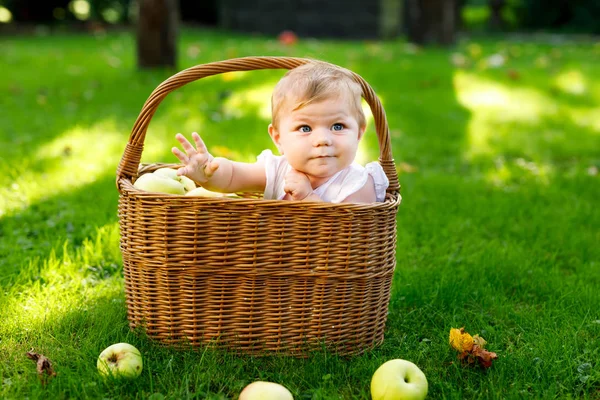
[{"x": 45, "y": 226}]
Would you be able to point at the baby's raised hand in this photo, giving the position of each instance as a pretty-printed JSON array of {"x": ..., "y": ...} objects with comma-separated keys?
[
  {"x": 297, "y": 185},
  {"x": 198, "y": 163}
]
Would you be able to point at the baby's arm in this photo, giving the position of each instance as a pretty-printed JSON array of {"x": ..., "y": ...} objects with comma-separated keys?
[
  {"x": 218, "y": 174},
  {"x": 366, "y": 194}
]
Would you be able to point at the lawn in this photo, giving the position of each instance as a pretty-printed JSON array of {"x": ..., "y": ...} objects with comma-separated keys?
[{"x": 497, "y": 143}]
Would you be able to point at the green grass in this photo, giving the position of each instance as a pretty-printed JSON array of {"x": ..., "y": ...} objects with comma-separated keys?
[{"x": 498, "y": 230}]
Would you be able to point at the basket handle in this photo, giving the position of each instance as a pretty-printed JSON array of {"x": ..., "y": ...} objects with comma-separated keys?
[{"x": 128, "y": 166}]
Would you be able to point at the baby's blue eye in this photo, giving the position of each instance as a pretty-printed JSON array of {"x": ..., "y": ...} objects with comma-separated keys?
[
  {"x": 304, "y": 128},
  {"x": 337, "y": 127}
]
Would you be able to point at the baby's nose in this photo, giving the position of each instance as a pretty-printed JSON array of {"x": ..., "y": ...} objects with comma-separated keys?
[{"x": 322, "y": 137}]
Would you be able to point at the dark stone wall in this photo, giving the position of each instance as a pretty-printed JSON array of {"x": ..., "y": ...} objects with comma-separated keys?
[{"x": 308, "y": 18}]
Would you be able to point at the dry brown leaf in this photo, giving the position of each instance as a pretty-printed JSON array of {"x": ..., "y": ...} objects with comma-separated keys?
[
  {"x": 484, "y": 357},
  {"x": 43, "y": 365}
]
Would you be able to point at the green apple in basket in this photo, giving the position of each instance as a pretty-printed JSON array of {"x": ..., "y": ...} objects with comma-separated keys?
[
  {"x": 165, "y": 180},
  {"x": 398, "y": 380},
  {"x": 187, "y": 183},
  {"x": 200, "y": 191}
]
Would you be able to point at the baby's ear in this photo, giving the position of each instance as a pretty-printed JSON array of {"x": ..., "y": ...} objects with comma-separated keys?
[{"x": 275, "y": 137}]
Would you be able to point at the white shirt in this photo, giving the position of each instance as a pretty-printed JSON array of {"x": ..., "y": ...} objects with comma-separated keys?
[{"x": 335, "y": 190}]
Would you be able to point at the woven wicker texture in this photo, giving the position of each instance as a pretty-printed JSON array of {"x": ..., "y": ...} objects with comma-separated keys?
[{"x": 251, "y": 275}]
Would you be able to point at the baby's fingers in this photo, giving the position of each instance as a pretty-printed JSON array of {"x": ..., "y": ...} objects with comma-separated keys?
[
  {"x": 187, "y": 146},
  {"x": 200, "y": 146},
  {"x": 182, "y": 171},
  {"x": 210, "y": 168},
  {"x": 180, "y": 155}
]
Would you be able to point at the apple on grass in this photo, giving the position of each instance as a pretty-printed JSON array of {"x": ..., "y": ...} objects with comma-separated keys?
[
  {"x": 120, "y": 360},
  {"x": 261, "y": 390},
  {"x": 398, "y": 380}
]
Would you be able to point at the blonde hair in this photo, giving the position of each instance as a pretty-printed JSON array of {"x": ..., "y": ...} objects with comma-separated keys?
[{"x": 313, "y": 82}]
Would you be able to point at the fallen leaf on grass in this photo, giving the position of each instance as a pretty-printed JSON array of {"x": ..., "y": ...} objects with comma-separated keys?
[
  {"x": 471, "y": 348},
  {"x": 484, "y": 357},
  {"x": 43, "y": 365},
  {"x": 460, "y": 340},
  {"x": 479, "y": 341}
]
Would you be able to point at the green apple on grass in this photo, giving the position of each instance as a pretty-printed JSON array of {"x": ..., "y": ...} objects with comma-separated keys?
[
  {"x": 120, "y": 360},
  {"x": 261, "y": 390},
  {"x": 398, "y": 380}
]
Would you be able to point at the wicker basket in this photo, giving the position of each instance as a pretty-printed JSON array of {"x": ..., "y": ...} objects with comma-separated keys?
[{"x": 251, "y": 275}]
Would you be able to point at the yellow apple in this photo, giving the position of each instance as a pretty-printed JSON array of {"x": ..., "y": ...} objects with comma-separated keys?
[
  {"x": 121, "y": 360},
  {"x": 260, "y": 390},
  {"x": 158, "y": 183},
  {"x": 398, "y": 380}
]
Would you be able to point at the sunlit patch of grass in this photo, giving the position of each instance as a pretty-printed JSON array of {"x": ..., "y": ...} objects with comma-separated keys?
[
  {"x": 520, "y": 120},
  {"x": 59, "y": 295},
  {"x": 233, "y": 75},
  {"x": 256, "y": 99},
  {"x": 587, "y": 119},
  {"x": 520, "y": 104},
  {"x": 51, "y": 284},
  {"x": 508, "y": 173},
  {"x": 79, "y": 156},
  {"x": 368, "y": 147},
  {"x": 572, "y": 82},
  {"x": 491, "y": 106}
]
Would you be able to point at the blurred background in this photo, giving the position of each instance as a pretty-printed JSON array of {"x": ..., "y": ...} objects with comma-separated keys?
[
  {"x": 419, "y": 21},
  {"x": 333, "y": 18}
]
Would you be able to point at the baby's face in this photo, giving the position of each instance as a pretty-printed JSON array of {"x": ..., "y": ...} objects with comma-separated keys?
[{"x": 319, "y": 139}]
